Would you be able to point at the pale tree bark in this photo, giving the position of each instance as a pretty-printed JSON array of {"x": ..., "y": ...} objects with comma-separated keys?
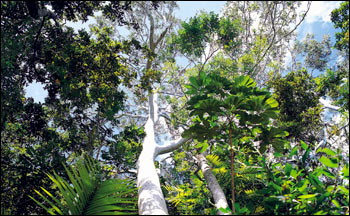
[
  {"x": 150, "y": 196},
  {"x": 213, "y": 185}
]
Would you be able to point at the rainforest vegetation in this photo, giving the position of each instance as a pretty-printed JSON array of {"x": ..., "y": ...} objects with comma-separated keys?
[{"x": 201, "y": 116}]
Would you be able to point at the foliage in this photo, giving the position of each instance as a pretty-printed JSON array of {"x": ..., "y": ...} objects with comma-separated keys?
[
  {"x": 89, "y": 75},
  {"x": 336, "y": 85},
  {"x": 27, "y": 146},
  {"x": 267, "y": 27},
  {"x": 190, "y": 198},
  {"x": 201, "y": 30},
  {"x": 316, "y": 53},
  {"x": 217, "y": 103},
  {"x": 298, "y": 101},
  {"x": 340, "y": 18},
  {"x": 236, "y": 112},
  {"x": 125, "y": 150},
  {"x": 87, "y": 193},
  {"x": 306, "y": 181},
  {"x": 82, "y": 74},
  {"x": 41, "y": 44}
]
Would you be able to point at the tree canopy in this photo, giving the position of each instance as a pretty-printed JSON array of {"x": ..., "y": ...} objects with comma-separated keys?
[{"x": 128, "y": 128}]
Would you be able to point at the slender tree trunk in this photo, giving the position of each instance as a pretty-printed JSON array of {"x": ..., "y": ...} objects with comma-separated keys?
[
  {"x": 214, "y": 187},
  {"x": 150, "y": 197}
]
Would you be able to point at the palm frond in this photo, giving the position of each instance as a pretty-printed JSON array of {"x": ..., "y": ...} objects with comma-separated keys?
[{"x": 88, "y": 194}]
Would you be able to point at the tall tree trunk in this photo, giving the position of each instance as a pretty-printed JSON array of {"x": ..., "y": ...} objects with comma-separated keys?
[
  {"x": 214, "y": 187},
  {"x": 150, "y": 196}
]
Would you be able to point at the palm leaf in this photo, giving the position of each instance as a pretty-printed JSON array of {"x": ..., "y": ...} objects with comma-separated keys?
[{"x": 87, "y": 193}]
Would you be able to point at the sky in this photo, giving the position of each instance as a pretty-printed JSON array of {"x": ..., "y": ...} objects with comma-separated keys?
[{"x": 317, "y": 22}]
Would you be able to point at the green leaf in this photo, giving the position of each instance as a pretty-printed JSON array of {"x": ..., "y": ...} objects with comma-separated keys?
[
  {"x": 303, "y": 145},
  {"x": 272, "y": 102},
  {"x": 293, "y": 152},
  {"x": 198, "y": 145},
  {"x": 204, "y": 147},
  {"x": 321, "y": 212},
  {"x": 237, "y": 206},
  {"x": 326, "y": 172},
  {"x": 328, "y": 162},
  {"x": 225, "y": 210},
  {"x": 307, "y": 196},
  {"x": 345, "y": 171},
  {"x": 330, "y": 188},
  {"x": 342, "y": 188},
  {"x": 316, "y": 182},
  {"x": 277, "y": 154},
  {"x": 288, "y": 169},
  {"x": 306, "y": 154},
  {"x": 202, "y": 75},
  {"x": 277, "y": 187},
  {"x": 328, "y": 152},
  {"x": 256, "y": 131},
  {"x": 188, "y": 86},
  {"x": 194, "y": 82},
  {"x": 336, "y": 203},
  {"x": 294, "y": 173},
  {"x": 305, "y": 185}
]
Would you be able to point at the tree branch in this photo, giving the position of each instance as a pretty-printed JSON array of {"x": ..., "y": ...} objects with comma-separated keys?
[
  {"x": 270, "y": 45},
  {"x": 171, "y": 146}
]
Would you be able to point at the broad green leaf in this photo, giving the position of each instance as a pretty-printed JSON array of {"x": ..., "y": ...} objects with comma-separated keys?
[
  {"x": 194, "y": 82},
  {"x": 303, "y": 145},
  {"x": 328, "y": 162},
  {"x": 288, "y": 169},
  {"x": 272, "y": 102},
  {"x": 316, "y": 182},
  {"x": 278, "y": 154},
  {"x": 293, "y": 173},
  {"x": 206, "y": 81},
  {"x": 204, "y": 147},
  {"x": 305, "y": 185},
  {"x": 307, "y": 196},
  {"x": 293, "y": 152},
  {"x": 277, "y": 187},
  {"x": 241, "y": 80},
  {"x": 225, "y": 210},
  {"x": 342, "y": 188},
  {"x": 328, "y": 152},
  {"x": 330, "y": 188},
  {"x": 336, "y": 203},
  {"x": 198, "y": 145},
  {"x": 188, "y": 86},
  {"x": 345, "y": 170},
  {"x": 237, "y": 206}
]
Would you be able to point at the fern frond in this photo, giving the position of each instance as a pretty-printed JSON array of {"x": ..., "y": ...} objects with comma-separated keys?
[
  {"x": 88, "y": 194},
  {"x": 214, "y": 159}
]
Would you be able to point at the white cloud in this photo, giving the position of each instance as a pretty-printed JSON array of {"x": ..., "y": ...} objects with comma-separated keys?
[{"x": 319, "y": 10}]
